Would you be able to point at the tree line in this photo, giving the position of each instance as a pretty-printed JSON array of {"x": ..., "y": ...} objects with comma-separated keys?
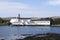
[
  {"x": 56, "y": 21},
  {"x": 4, "y": 22}
]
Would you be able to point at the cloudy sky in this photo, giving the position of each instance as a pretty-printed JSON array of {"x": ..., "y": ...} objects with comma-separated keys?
[{"x": 29, "y": 8}]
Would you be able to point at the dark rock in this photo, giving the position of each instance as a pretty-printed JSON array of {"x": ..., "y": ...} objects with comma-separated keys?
[{"x": 49, "y": 36}]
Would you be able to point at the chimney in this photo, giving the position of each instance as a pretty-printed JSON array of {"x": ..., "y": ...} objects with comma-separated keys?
[{"x": 18, "y": 17}]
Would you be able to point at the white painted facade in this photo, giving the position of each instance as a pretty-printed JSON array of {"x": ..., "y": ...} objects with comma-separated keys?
[
  {"x": 42, "y": 22},
  {"x": 29, "y": 22},
  {"x": 16, "y": 22}
]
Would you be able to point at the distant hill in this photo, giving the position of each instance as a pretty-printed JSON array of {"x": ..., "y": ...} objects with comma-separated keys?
[{"x": 8, "y": 18}]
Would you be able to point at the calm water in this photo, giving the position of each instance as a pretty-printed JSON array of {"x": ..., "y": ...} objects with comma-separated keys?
[{"x": 14, "y": 31}]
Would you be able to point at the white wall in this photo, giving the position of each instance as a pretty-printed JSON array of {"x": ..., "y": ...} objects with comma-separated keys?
[
  {"x": 16, "y": 22},
  {"x": 42, "y": 22},
  {"x": 29, "y": 22}
]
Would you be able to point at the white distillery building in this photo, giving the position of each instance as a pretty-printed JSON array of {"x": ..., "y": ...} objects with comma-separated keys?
[
  {"x": 41, "y": 22},
  {"x": 21, "y": 21},
  {"x": 38, "y": 21},
  {"x": 30, "y": 21},
  {"x": 16, "y": 22}
]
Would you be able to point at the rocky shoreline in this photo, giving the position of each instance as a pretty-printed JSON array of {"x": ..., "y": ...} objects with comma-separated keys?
[{"x": 48, "y": 36}]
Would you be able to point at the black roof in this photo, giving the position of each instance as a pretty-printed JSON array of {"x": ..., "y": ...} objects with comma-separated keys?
[{"x": 41, "y": 19}]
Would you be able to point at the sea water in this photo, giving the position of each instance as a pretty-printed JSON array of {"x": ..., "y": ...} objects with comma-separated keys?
[{"x": 13, "y": 32}]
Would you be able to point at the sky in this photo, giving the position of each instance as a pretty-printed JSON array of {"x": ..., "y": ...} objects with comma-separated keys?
[{"x": 29, "y": 8}]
